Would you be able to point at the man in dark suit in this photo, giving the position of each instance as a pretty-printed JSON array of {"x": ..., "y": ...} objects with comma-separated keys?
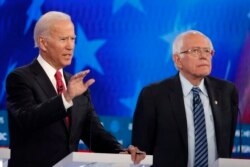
[
  {"x": 164, "y": 124},
  {"x": 48, "y": 113}
]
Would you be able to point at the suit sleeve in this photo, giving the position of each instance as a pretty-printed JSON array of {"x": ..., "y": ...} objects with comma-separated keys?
[
  {"x": 26, "y": 112},
  {"x": 143, "y": 134}
]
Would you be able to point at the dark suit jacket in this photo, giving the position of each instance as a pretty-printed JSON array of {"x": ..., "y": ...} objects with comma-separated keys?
[
  {"x": 38, "y": 134},
  {"x": 160, "y": 126}
]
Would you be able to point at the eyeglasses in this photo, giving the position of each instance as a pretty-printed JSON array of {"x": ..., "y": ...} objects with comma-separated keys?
[{"x": 198, "y": 51}]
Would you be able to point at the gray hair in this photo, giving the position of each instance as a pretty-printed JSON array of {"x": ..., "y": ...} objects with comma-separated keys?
[
  {"x": 45, "y": 22},
  {"x": 178, "y": 42}
]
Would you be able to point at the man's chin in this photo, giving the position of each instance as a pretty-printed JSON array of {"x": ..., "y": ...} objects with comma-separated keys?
[
  {"x": 202, "y": 75},
  {"x": 205, "y": 72},
  {"x": 67, "y": 63}
]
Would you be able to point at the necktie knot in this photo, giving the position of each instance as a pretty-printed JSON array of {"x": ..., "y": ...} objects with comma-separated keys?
[
  {"x": 59, "y": 82},
  {"x": 196, "y": 90},
  {"x": 58, "y": 75}
]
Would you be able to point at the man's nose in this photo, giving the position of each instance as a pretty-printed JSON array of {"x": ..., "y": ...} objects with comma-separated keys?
[
  {"x": 70, "y": 44},
  {"x": 202, "y": 54}
]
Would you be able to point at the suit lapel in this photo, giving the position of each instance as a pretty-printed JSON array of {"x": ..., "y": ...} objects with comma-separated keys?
[
  {"x": 42, "y": 79},
  {"x": 177, "y": 101},
  {"x": 215, "y": 99}
]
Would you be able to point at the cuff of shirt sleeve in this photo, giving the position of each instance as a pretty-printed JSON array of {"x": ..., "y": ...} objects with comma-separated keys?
[{"x": 65, "y": 103}]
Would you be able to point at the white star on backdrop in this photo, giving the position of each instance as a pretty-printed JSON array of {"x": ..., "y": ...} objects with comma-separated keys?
[
  {"x": 130, "y": 102},
  {"x": 118, "y": 4},
  {"x": 10, "y": 68},
  {"x": 85, "y": 52},
  {"x": 33, "y": 13},
  {"x": 169, "y": 37},
  {"x": 2, "y": 2}
]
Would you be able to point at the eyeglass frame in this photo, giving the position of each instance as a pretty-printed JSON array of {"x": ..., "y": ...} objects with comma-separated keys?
[{"x": 201, "y": 51}]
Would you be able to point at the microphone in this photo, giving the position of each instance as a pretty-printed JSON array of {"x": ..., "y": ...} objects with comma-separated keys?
[
  {"x": 90, "y": 110},
  {"x": 240, "y": 129},
  {"x": 237, "y": 109},
  {"x": 238, "y": 114}
]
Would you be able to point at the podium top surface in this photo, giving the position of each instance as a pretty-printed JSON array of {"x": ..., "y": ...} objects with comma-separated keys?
[
  {"x": 79, "y": 159},
  {"x": 4, "y": 153},
  {"x": 230, "y": 162}
]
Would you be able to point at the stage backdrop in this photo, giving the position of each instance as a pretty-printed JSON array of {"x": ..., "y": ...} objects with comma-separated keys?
[{"x": 127, "y": 45}]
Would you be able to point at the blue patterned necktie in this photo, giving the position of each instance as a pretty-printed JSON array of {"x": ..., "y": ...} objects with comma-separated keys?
[{"x": 201, "y": 150}]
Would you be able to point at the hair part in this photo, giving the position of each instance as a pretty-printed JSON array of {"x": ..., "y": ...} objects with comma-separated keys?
[{"x": 44, "y": 24}]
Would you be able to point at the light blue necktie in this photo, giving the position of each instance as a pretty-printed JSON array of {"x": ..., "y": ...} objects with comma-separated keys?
[{"x": 201, "y": 150}]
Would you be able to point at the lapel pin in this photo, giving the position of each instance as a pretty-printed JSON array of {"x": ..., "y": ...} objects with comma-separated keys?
[{"x": 216, "y": 102}]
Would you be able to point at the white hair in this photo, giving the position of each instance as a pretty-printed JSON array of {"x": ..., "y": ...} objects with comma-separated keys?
[
  {"x": 178, "y": 42},
  {"x": 45, "y": 22}
]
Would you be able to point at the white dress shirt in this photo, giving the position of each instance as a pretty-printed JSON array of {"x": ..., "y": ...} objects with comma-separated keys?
[
  {"x": 188, "y": 102},
  {"x": 50, "y": 71}
]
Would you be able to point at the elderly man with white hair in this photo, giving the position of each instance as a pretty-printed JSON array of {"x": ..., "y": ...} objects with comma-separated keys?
[
  {"x": 190, "y": 118},
  {"x": 49, "y": 109}
]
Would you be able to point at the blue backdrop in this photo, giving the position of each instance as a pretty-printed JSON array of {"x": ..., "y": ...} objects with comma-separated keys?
[{"x": 127, "y": 45}]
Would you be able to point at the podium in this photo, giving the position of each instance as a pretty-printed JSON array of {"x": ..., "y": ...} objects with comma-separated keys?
[
  {"x": 4, "y": 156},
  {"x": 228, "y": 162},
  {"x": 82, "y": 159}
]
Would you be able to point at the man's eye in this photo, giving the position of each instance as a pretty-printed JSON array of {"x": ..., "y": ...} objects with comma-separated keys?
[
  {"x": 206, "y": 50},
  {"x": 63, "y": 39},
  {"x": 195, "y": 50}
]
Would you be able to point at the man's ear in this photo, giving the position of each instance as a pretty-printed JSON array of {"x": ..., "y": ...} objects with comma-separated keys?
[
  {"x": 42, "y": 43},
  {"x": 177, "y": 60}
]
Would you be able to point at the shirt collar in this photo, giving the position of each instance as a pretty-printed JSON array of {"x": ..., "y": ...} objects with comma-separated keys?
[
  {"x": 187, "y": 86},
  {"x": 49, "y": 70}
]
